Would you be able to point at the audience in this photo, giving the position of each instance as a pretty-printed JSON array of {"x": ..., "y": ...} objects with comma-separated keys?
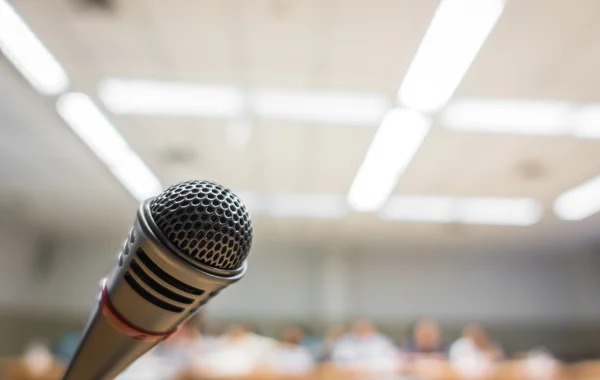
[{"x": 196, "y": 353}]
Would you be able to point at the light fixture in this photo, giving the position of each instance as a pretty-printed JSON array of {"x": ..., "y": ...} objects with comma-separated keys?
[
  {"x": 498, "y": 211},
  {"x": 395, "y": 144},
  {"x": 90, "y": 124},
  {"x": 27, "y": 53},
  {"x": 456, "y": 33},
  {"x": 311, "y": 106},
  {"x": 435, "y": 209},
  {"x": 512, "y": 116},
  {"x": 143, "y": 97},
  {"x": 475, "y": 210},
  {"x": 586, "y": 121},
  {"x": 294, "y": 205},
  {"x": 305, "y": 205},
  {"x": 579, "y": 202}
]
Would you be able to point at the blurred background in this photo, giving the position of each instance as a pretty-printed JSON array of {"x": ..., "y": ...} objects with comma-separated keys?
[{"x": 402, "y": 160}]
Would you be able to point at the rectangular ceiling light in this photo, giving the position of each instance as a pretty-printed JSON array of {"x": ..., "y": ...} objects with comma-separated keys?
[
  {"x": 326, "y": 107},
  {"x": 508, "y": 116},
  {"x": 477, "y": 210},
  {"x": 498, "y": 211},
  {"x": 90, "y": 124},
  {"x": 456, "y": 33},
  {"x": 579, "y": 202},
  {"x": 419, "y": 209},
  {"x": 141, "y": 97},
  {"x": 295, "y": 205},
  {"x": 27, "y": 53},
  {"x": 316, "y": 206},
  {"x": 586, "y": 122},
  {"x": 395, "y": 144}
]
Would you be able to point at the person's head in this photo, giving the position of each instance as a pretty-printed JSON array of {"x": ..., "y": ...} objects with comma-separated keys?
[
  {"x": 426, "y": 334},
  {"x": 477, "y": 334},
  {"x": 291, "y": 335},
  {"x": 364, "y": 328}
]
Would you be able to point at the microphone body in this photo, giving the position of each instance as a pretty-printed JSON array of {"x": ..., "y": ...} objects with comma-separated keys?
[{"x": 157, "y": 285}]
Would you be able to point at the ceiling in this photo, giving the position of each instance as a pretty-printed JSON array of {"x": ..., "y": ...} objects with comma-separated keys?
[{"x": 539, "y": 50}]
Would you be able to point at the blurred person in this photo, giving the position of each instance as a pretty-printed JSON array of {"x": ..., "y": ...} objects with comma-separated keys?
[
  {"x": 475, "y": 353},
  {"x": 475, "y": 343},
  {"x": 169, "y": 357},
  {"x": 540, "y": 364},
  {"x": 332, "y": 336},
  {"x": 238, "y": 352},
  {"x": 425, "y": 341},
  {"x": 290, "y": 357},
  {"x": 364, "y": 348}
]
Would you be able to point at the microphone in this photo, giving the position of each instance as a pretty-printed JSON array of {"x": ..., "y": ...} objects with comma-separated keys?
[{"x": 186, "y": 245}]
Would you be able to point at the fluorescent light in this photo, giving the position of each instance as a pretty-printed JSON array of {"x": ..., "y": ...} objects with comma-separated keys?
[
  {"x": 294, "y": 205},
  {"x": 477, "y": 210},
  {"x": 586, "y": 122},
  {"x": 319, "y": 106},
  {"x": 580, "y": 202},
  {"x": 498, "y": 211},
  {"x": 124, "y": 96},
  {"x": 137, "y": 177},
  {"x": 458, "y": 30},
  {"x": 298, "y": 205},
  {"x": 27, "y": 53},
  {"x": 508, "y": 116},
  {"x": 90, "y": 124},
  {"x": 419, "y": 209},
  {"x": 395, "y": 144}
]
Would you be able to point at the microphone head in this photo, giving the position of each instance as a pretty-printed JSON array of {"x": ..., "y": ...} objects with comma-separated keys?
[{"x": 206, "y": 222}]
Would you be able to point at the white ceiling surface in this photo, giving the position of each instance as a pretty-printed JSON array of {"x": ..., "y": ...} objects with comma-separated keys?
[{"x": 541, "y": 49}]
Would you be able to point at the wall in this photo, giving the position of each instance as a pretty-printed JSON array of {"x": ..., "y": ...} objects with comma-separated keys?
[
  {"x": 555, "y": 292},
  {"x": 501, "y": 287}
]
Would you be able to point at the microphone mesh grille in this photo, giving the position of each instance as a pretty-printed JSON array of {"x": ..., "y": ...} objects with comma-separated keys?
[{"x": 206, "y": 221}]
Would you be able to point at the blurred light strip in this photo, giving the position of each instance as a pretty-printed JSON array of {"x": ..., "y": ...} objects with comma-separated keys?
[
  {"x": 419, "y": 209},
  {"x": 508, "y": 116},
  {"x": 27, "y": 53},
  {"x": 88, "y": 122},
  {"x": 579, "y": 202},
  {"x": 126, "y": 96},
  {"x": 519, "y": 116},
  {"x": 456, "y": 33},
  {"x": 326, "y": 107},
  {"x": 395, "y": 144},
  {"x": 317, "y": 206},
  {"x": 295, "y": 205},
  {"x": 476, "y": 210}
]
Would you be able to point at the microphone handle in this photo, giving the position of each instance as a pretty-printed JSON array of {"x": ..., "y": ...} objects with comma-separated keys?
[
  {"x": 104, "y": 352},
  {"x": 109, "y": 344}
]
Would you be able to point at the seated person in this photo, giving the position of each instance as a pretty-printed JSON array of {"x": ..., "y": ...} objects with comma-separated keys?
[
  {"x": 475, "y": 353},
  {"x": 425, "y": 341},
  {"x": 238, "y": 353},
  {"x": 365, "y": 349},
  {"x": 289, "y": 357}
]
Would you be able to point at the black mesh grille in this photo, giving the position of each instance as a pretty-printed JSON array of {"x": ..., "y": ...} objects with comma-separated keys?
[{"x": 206, "y": 221}]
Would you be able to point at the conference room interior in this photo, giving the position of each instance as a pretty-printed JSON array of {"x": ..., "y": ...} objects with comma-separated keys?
[{"x": 423, "y": 179}]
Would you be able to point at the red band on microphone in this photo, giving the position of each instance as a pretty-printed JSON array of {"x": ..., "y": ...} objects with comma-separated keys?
[{"x": 123, "y": 326}]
